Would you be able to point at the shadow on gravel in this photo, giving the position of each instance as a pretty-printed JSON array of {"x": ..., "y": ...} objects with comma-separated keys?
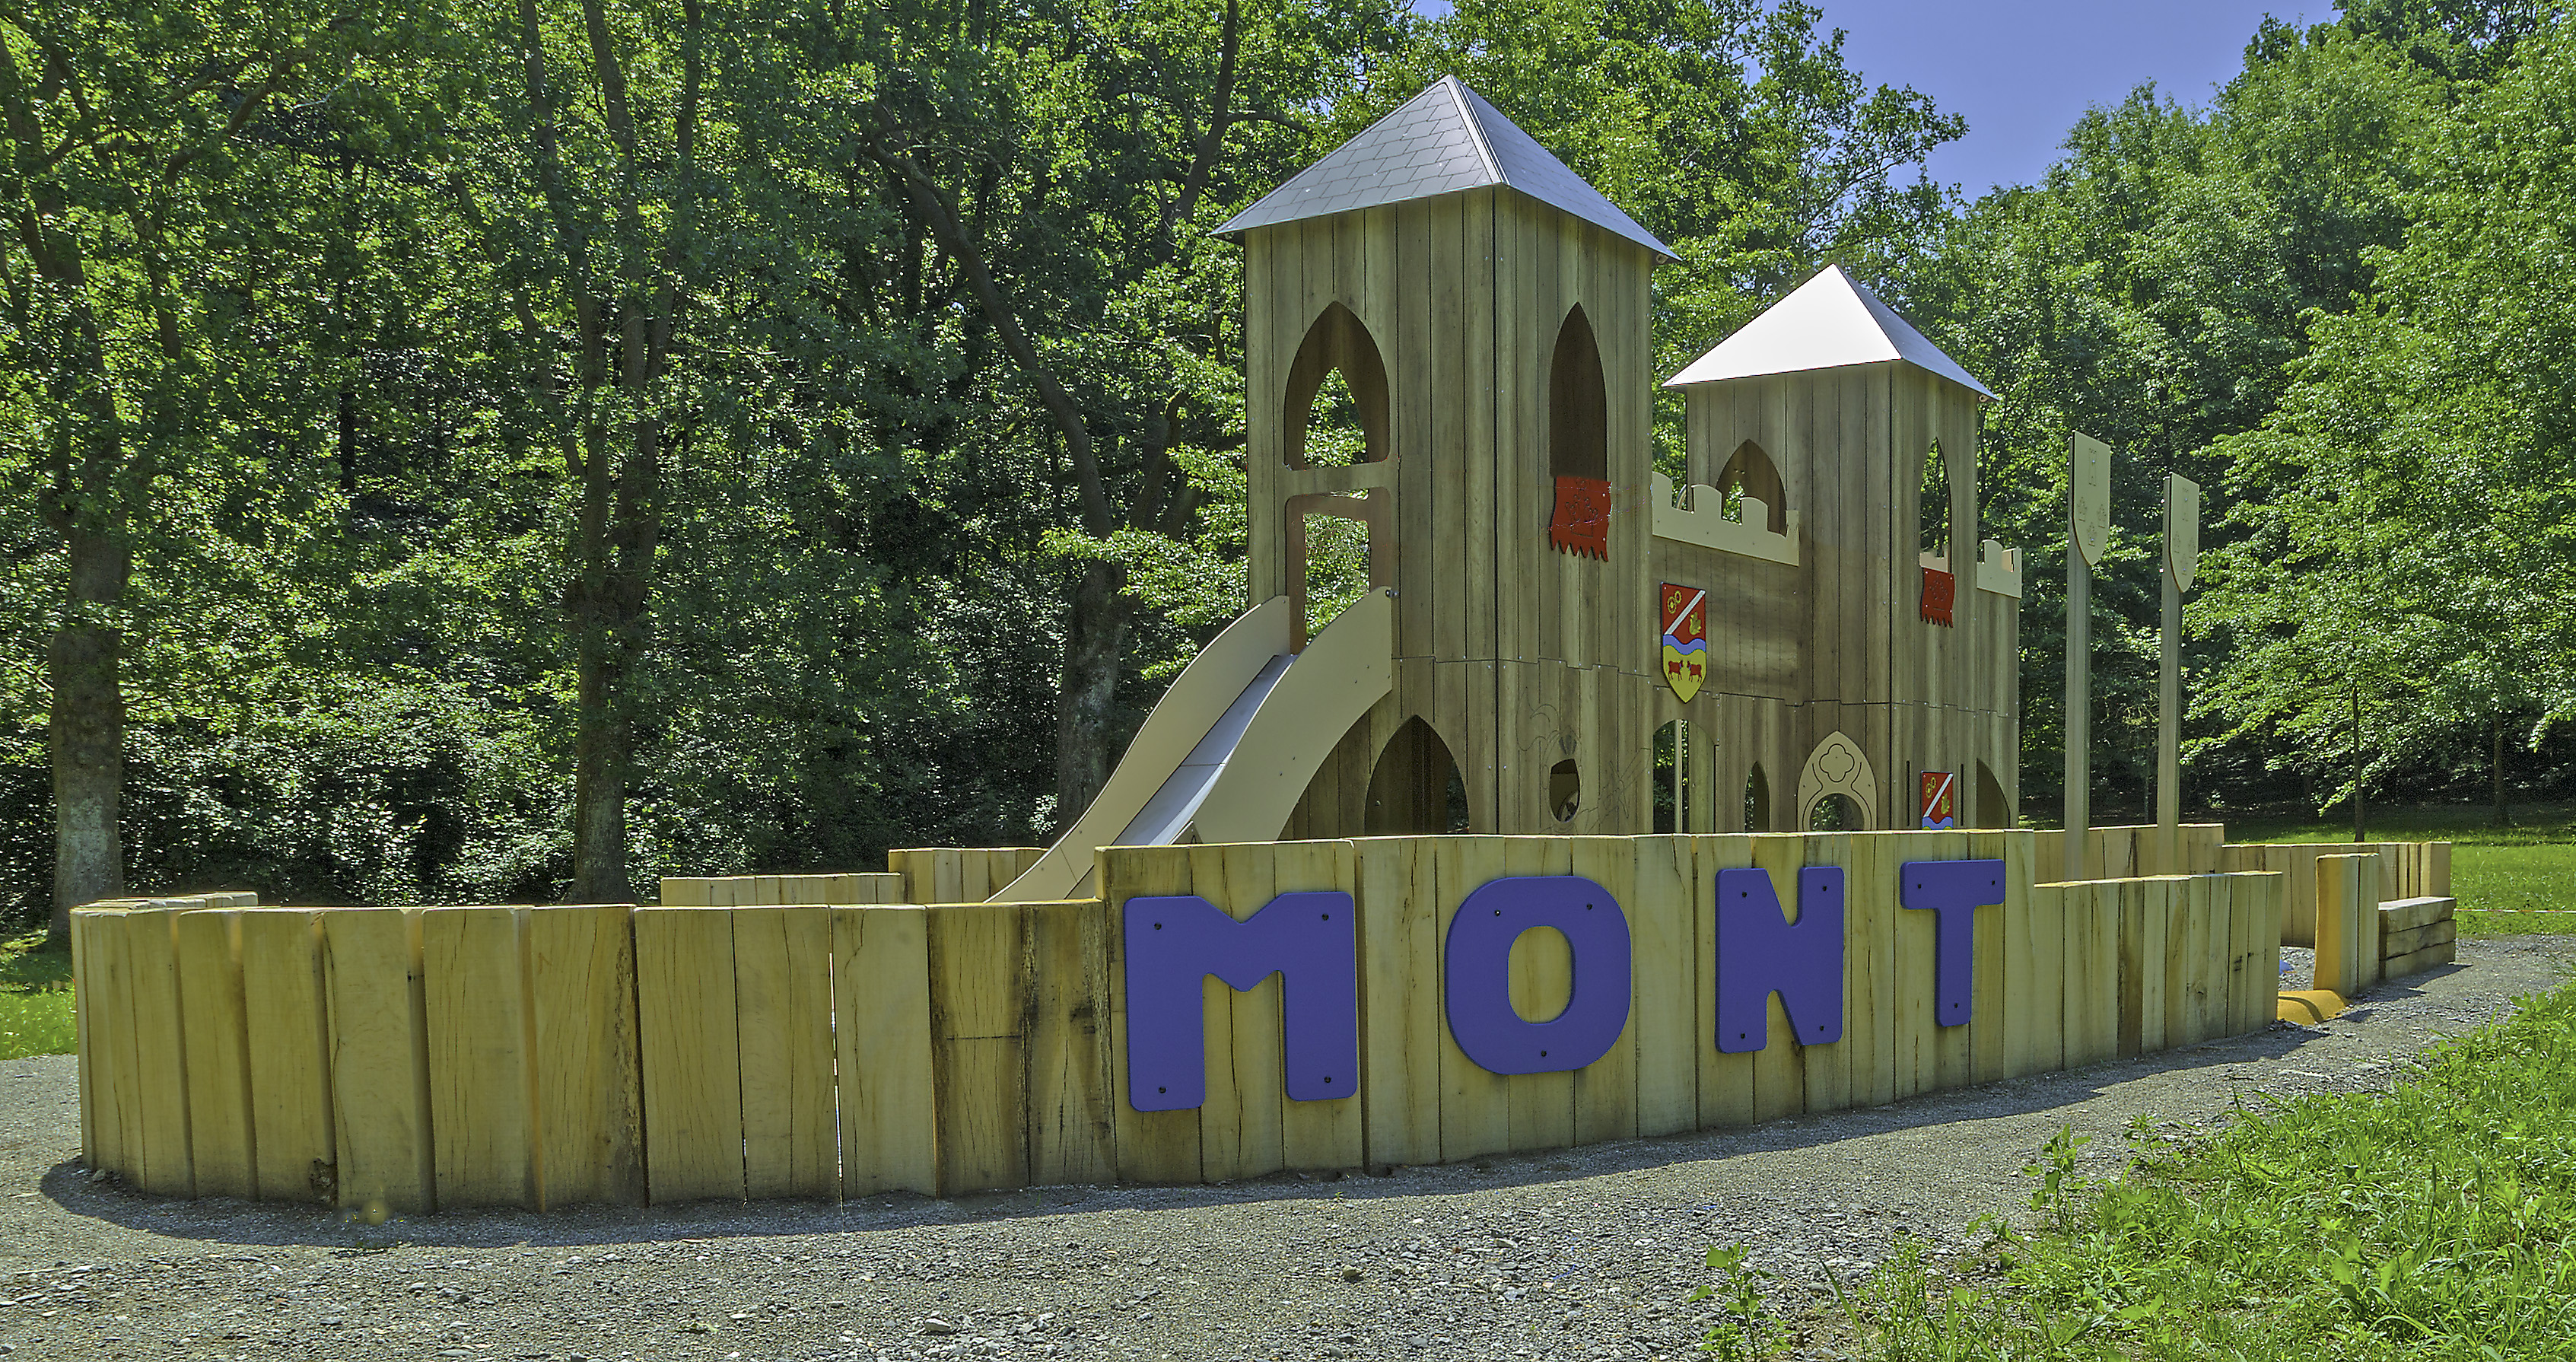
[{"x": 264, "y": 1224}]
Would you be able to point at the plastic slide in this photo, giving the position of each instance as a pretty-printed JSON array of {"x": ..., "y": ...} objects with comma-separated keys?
[{"x": 1232, "y": 745}]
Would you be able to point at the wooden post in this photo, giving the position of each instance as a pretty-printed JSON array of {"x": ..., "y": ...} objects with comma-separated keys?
[
  {"x": 2182, "y": 556},
  {"x": 2088, "y": 515}
]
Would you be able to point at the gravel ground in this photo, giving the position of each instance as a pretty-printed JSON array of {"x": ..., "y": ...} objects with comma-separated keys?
[{"x": 1579, "y": 1254}]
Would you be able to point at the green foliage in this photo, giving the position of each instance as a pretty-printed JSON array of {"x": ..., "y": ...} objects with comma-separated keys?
[{"x": 2435, "y": 1220}]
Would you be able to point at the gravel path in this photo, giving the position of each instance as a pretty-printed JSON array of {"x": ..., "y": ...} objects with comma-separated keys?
[{"x": 1581, "y": 1254}]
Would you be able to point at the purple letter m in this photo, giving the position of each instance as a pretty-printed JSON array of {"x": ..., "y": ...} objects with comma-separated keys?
[
  {"x": 1759, "y": 953},
  {"x": 1173, "y": 942}
]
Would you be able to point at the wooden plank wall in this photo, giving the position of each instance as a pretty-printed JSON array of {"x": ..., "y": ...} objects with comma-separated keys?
[
  {"x": 747, "y": 891},
  {"x": 394, "y": 1061},
  {"x": 2406, "y": 870}
]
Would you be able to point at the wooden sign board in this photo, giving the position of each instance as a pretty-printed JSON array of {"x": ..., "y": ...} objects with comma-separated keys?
[
  {"x": 2182, "y": 529},
  {"x": 2088, "y": 490}
]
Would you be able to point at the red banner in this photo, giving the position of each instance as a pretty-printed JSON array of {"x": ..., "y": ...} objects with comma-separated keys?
[
  {"x": 1940, "y": 592},
  {"x": 1582, "y": 521}
]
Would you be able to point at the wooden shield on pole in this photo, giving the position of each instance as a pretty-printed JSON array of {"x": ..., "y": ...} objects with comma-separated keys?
[
  {"x": 2182, "y": 529},
  {"x": 2088, "y": 490}
]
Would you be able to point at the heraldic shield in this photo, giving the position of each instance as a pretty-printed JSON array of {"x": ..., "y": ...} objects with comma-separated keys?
[{"x": 1685, "y": 639}]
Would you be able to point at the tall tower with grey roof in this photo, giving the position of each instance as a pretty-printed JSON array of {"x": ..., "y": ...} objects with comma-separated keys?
[{"x": 1489, "y": 312}]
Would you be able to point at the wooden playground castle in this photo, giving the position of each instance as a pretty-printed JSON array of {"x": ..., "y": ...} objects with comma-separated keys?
[{"x": 1810, "y": 626}]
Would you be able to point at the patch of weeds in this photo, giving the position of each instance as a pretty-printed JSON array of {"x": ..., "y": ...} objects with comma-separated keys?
[{"x": 1745, "y": 1329}]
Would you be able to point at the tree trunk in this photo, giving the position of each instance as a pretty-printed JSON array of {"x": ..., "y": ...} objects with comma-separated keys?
[
  {"x": 608, "y": 608},
  {"x": 2503, "y": 815},
  {"x": 1086, "y": 703},
  {"x": 87, "y": 731}
]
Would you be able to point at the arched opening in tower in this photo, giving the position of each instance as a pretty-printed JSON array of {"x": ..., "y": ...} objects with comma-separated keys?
[
  {"x": 1416, "y": 790},
  {"x": 1578, "y": 403},
  {"x": 1750, "y": 473},
  {"x": 1335, "y": 415}
]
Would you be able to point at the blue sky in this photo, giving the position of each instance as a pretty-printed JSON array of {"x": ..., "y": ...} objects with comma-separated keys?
[{"x": 2023, "y": 70}]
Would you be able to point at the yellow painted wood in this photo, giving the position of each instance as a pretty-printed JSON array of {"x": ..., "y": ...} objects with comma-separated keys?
[
  {"x": 1991, "y": 1024},
  {"x": 2035, "y": 975},
  {"x": 1908, "y": 994},
  {"x": 1725, "y": 1080},
  {"x": 1870, "y": 861},
  {"x": 589, "y": 1076},
  {"x": 1072, "y": 1135},
  {"x": 288, "y": 1048},
  {"x": 1827, "y": 1069},
  {"x": 2130, "y": 927},
  {"x": 160, "y": 1051},
  {"x": 371, "y": 969},
  {"x": 1779, "y": 1067},
  {"x": 1156, "y": 1146},
  {"x": 2093, "y": 974},
  {"x": 114, "y": 1043},
  {"x": 83, "y": 991},
  {"x": 1475, "y": 1105},
  {"x": 782, "y": 970},
  {"x": 978, "y": 982},
  {"x": 482, "y": 1043},
  {"x": 222, "y": 1152},
  {"x": 881, "y": 1000},
  {"x": 1330, "y": 1133},
  {"x": 1664, "y": 1017},
  {"x": 691, "y": 1053},
  {"x": 1953, "y": 1047},
  {"x": 1239, "y": 1124},
  {"x": 1401, "y": 1026},
  {"x": 1605, "y": 1091},
  {"x": 2187, "y": 972},
  {"x": 1542, "y": 1105},
  {"x": 684, "y": 891}
]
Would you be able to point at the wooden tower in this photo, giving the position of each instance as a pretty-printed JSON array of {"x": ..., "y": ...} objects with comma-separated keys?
[
  {"x": 1488, "y": 311},
  {"x": 1856, "y": 641}
]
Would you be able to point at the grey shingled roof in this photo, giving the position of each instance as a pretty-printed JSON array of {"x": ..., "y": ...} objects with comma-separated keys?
[{"x": 1444, "y": 140}]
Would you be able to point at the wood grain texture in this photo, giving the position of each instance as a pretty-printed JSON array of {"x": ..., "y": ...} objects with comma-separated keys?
[
  {"x": 160, "y": 1053},
  {"x": 482, "y": 1048},
  {"x": 691, "y": 1053},
  {"x": 1476, "y": 1105},
  {"x": 379, "y": 1032},
  {"x": 1153, "y": 1146},
  {"x": 1072, "y": 1136},
  {"x": 881, "y": 1004},
  {"x": 1402, "y": 1029},
  {"x": 1725, "y": 1080},
  {"x": 1326, "y": 1134},
  {"x": 978, "y": 981},
  {"x": 223, "y": 1152},
  {"x": 285, "y": 1024},
  {"x": 588, "y": 1061},
  {"x": 1606, "y": 1090},
  {"x": 1662, "y": 926},
  {"x": 782, "y": 963}
]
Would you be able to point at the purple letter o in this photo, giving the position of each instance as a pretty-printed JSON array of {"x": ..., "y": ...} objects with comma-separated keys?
[{"x": 1477, "y": 974}]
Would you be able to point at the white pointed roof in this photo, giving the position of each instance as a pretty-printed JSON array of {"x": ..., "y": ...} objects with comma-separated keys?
[
  {"x": 1441, "y": 141},
  {"x": 1831, "y": 321}
]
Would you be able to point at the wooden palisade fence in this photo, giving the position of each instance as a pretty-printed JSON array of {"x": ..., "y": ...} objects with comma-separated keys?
[{"x": 398, "y": 1060}]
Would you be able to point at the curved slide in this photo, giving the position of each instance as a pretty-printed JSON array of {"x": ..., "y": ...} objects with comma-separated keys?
[{"x": 1232, "y": 745}]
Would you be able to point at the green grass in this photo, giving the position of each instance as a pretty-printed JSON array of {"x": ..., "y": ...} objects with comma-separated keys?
[
  {"x": 2498, "y": 874},
  {"x": 2437, "y": 1221},
  {"x": 35, "y": 999}
]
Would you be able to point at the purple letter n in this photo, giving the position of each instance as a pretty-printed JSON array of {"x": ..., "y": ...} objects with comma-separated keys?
[
  {"x": 1759, "y": 953},
  {"x": 1173, "y": 942}
]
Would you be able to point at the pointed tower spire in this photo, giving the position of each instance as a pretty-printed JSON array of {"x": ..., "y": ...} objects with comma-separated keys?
[
  {"x": 1830, "y": 321},
  {"x": 1442, "y": 141}
]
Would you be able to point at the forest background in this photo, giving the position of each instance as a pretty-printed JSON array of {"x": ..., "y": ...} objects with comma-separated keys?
[{"x": 481, "y": 451}]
